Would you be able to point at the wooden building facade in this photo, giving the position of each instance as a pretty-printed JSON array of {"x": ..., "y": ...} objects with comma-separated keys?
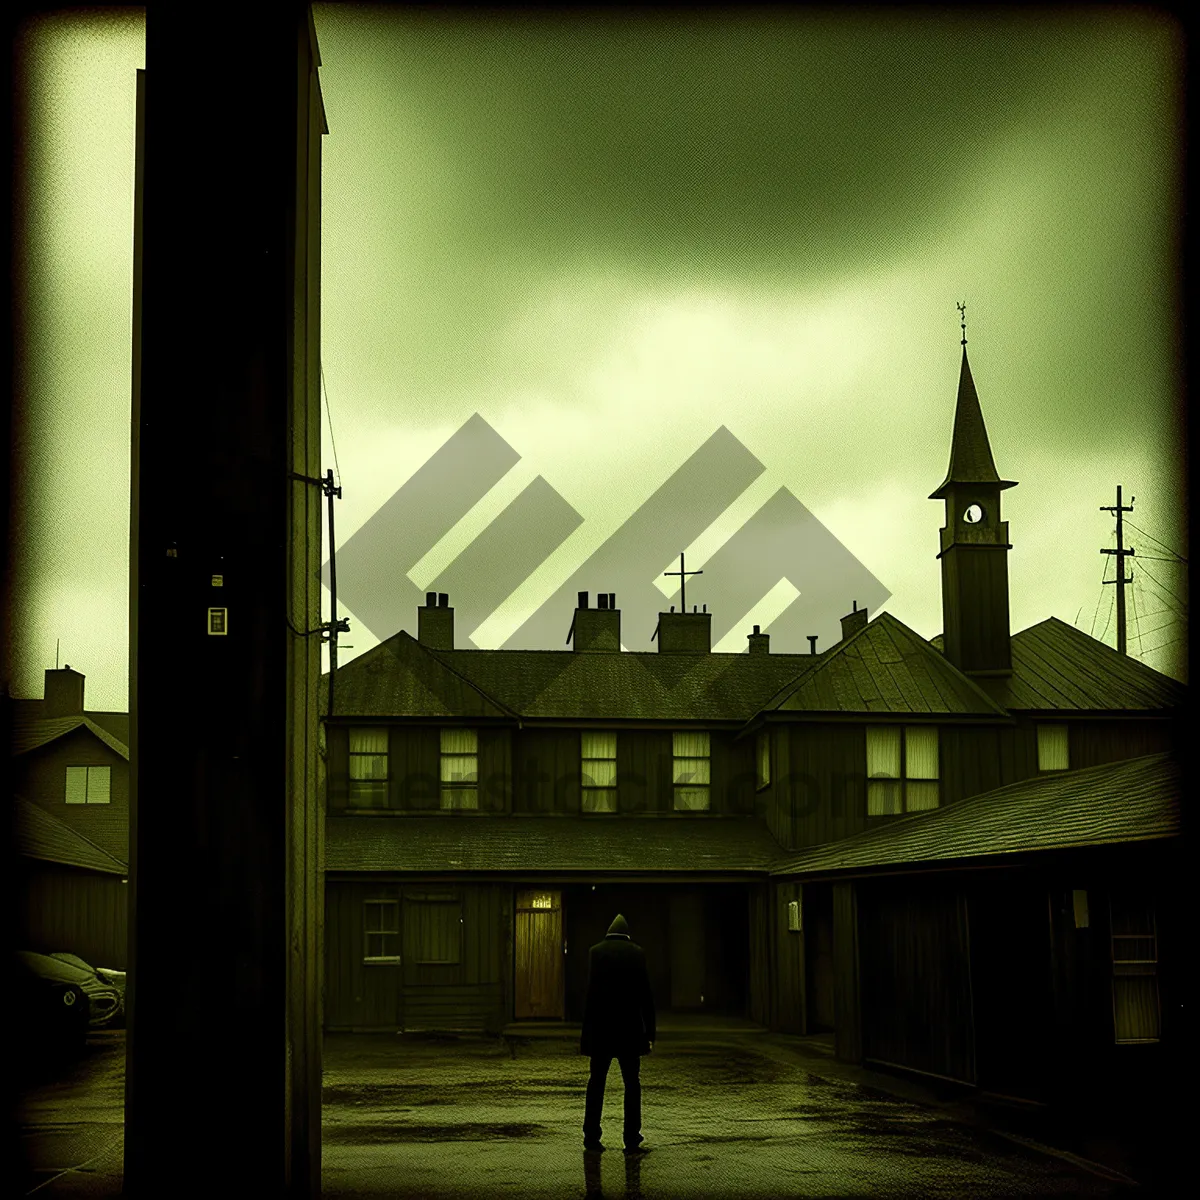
[{"x": 951, "y": 854}]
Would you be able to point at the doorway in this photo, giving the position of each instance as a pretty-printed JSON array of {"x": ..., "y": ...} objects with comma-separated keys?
[{"x": 538, "y": 966}]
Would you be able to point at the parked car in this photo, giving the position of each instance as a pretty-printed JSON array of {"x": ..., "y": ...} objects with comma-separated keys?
[
  {"x": 52, "y": 1014},
  {"x": 104, "y": 1003},
  {"x": 107, "y": 975}
]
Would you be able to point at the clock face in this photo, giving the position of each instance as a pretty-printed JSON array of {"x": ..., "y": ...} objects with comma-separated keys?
[{"x": 973, "y": 515}]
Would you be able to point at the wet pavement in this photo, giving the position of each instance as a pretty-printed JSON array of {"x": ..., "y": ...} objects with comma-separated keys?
[{"x": 726, "y": 1113}]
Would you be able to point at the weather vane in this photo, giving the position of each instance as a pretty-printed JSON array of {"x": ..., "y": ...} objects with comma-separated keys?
[{"x": 962, "y": 308}]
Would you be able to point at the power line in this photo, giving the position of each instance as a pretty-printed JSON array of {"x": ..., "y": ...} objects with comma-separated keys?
[
  {"x": 1108, "y": 621},
  {"x": 1163, "y": 588},
  {"x": 1161, "y": 545},
  {"x": 329, "y": 419},
  {"x": 1151, "y": 558}
]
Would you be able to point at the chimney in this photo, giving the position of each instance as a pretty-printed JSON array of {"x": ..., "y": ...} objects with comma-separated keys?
[
  {"x": 63, "y": 692},
  {"x": 812, "y": 642},
  {"x": 596, "y": 630},
  {"x": 853, "y": 621},
  {"x": 435, "y": 622},
  {"x": 760, "y": 643},
  {"x": 683, "y": 632}
]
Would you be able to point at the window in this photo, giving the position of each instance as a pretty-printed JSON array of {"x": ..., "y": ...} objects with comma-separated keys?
[
  {"x": 368, "y": 767},
  {"x": 598, "y": 756},
  {"x": 432, "y": 928},
  {"x": 88, "y": 785},
  {"x": 691, "y": 774},
  {"x": 460, "y": 769},
  {"x": 763, "y": 755},
  {"x": 1135, "y": 970},
  {"x": 794, "y": 916},
  {"x": 902, "y": 769},
  {"x": 1053, "y": 752},
  {"x": 381, "y": 931}
]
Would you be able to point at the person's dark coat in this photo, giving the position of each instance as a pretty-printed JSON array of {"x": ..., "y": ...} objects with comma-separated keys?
[{"x": 618, "y": 1014}]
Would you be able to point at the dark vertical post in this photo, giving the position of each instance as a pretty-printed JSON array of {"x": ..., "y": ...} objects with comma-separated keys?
[
  {"x": 223, "y": 1058},
  {"x": 1121, "y": 554},
  {"x": 331, "y": 492}
]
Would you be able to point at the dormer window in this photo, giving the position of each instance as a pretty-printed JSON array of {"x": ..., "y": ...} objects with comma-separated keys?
[
  {"x": 1053, "y": 747},
  {"x": 89, "y": 785}
]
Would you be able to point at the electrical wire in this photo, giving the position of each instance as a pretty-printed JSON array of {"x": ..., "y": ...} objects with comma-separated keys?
[
  {"x": 329, "y": 419},
  {"x": 1163, "y": 588},
  {"x": 1161, "y": 545}
]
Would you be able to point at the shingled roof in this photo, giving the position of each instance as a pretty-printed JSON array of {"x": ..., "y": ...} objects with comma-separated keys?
[
  {"x": 886, "y": 668},
  {"x": 671, "y": 845},
  {"x": 31, "y": 733},
  {"x": 1135, "y": 800},
  {"x": 40, "y": 835},
  {"x": 1058, "y": 667},
  {"x": 400, "y": 677}
]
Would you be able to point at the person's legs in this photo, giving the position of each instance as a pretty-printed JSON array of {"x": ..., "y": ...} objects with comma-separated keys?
[
  {"x": 594, "y": 1103},
  {"x": 633, "y": 1100}
]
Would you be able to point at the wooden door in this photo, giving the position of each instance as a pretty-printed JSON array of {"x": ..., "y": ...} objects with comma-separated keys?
[
  {"x": 538, "y": 987},
  {"x": 687, "y": 950}
]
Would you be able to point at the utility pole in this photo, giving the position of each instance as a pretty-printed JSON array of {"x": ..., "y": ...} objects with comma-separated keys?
[{"x": 1121, "y": 554}]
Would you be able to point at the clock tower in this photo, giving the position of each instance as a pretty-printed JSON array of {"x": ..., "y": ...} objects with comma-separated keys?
[{"x": 974, "y": 544}]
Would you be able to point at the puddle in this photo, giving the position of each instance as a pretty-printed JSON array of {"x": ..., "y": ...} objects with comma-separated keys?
[{"x": 362, "y": 1134}]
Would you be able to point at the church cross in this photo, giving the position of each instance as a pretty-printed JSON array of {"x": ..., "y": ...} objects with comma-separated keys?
[
  {"x": 962, "y": 308},
  {"x": 682, "y": 581}
]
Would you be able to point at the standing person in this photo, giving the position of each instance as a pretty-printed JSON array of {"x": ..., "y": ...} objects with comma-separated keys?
[{"x": 618, "y": 1022}]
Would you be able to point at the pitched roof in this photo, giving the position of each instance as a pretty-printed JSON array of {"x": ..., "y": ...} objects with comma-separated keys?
[
  {"x": 561, "y": 844},
  {"x": 1135, "y": 800},
  {"x": 886, "y": 668},
  {"x": 30, "y": 733},
  {"x": 1056, "y": 666},
  {"x": 970, "y": 452},
  {"x": 402, "y": 678},
  {"x": 40, "y": 835}
]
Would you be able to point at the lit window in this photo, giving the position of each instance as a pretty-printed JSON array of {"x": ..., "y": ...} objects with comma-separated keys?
[
  {"x": 598, "y": 758},
  {"x": 432, "y": 928},
  {"x": 763, "y": 754},
  {"x": 1135, "y": 970},
  {"x": 89, "y": 785},
  {"x": 794, "y": 916},
  {"x": 902, "y": 769},
  {"x": 368, "y": 768},
  {"x": 691, "y": 774},
  {"x": 460, "y": 769},
  {"x": 1053, "y": 748},
  {"x": 381, "y": 931}
]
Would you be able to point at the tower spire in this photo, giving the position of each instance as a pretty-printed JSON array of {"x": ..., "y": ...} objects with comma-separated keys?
[{"x": 971, "y": 459}]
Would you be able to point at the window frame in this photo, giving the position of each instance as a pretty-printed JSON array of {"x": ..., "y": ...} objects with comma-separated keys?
[
  {"x": 903, "y": 779},
  {"x": 464, "y": 788},
  {"x": 1056, "y": 727},
  {"x": 354, "y": 792},
  {"x": 690, "y": 785},
  {"x": 593, "y": 790},
  {"x": 103, "y": 771},
  {"x": 762, "y": 760},
  {"x": 384, "y": 959},
  {"x": 1135, "y": 968}
]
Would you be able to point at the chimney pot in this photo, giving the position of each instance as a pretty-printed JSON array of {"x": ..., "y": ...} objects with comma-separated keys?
[
  {"x": 435, "y": 623},
  {"x": 756, "y": 629},
  {"x": 812, "y": 643},
  {"x": 431, "y": 599},
  {"x": 612, "y": 599},
  {"x": 583, "y": 600},
  {"x": 596, "y": 629},
  {"x": 443, "y": 600},
  {"x": 602, "y": 600},
  {"x": 760, "y": 643}
]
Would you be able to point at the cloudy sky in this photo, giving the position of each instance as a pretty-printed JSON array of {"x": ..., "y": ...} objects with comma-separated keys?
[{"x": 611, "y": 236}]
